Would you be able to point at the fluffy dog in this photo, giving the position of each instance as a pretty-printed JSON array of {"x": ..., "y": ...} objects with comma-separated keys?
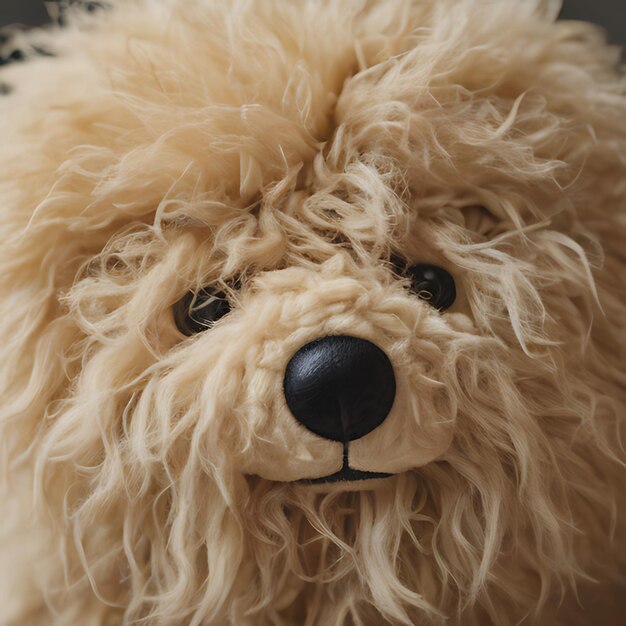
[{"x": 313, "y": 313}]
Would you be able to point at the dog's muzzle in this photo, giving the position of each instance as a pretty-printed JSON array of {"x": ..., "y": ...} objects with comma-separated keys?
[{"x": 341, "y": 388}]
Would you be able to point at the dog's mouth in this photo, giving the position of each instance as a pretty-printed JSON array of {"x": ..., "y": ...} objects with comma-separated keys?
[{"x": 345, "y": 474}]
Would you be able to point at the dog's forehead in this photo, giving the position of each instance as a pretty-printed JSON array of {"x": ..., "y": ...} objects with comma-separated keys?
[
  {"x": 202, "y": 111},
  {"x": 253, "y": 92}
]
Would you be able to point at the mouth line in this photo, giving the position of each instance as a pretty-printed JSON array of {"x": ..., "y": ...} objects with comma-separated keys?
[{"x": 345, "y": 474}]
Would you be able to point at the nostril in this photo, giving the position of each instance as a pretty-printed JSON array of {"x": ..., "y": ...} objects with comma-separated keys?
[{"x": 340, "y": 387}]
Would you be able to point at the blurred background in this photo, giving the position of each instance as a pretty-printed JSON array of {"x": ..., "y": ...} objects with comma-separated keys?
[{"x": 610, "y": 14}]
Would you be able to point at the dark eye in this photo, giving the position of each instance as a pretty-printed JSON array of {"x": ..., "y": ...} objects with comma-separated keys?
[
  {"x": 198, "y": 311},
  {"x": 433, "y": 284},
  {"x": 14, "y": 55}
]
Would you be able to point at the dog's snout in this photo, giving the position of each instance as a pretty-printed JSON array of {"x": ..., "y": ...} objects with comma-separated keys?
[{"x": 340, "y": 387}]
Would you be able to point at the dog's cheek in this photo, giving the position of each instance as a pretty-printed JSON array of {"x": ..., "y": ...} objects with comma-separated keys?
[
  {"x": 419, "y": 428},
  {"x": 292, "y": 454},
  {"x": 422, "y": 422},
  {"x": 276, "y": 446},
  {"x": 270, "y": 443}
]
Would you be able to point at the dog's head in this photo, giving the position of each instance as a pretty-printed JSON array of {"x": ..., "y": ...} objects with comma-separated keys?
[{"x": 312, "y": 310}]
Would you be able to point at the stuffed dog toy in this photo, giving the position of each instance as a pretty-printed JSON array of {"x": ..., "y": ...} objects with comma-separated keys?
[{"x": 313, "y": 313}]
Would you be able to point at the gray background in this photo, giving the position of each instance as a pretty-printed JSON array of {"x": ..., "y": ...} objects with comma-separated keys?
[{"x": 611, "y": 14}]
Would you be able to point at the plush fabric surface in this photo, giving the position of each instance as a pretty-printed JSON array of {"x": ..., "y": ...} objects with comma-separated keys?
[{"x": 288, "y": 153}]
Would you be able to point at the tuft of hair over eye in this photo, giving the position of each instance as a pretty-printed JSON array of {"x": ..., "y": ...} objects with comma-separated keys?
[
  {"x": 431, "y": 283},
  {"x": 198, "y": 311},
  {"x": 479, "y": 219}
]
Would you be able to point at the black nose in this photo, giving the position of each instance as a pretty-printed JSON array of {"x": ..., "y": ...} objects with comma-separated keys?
[{"x": 340, "y": 387}]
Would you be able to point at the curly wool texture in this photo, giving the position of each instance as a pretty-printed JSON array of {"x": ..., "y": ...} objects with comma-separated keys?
[{"x": 287, "y": 152}]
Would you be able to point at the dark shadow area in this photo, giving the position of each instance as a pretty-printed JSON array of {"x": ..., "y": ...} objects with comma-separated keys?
[
  {"x": 26, "y": 12},
  {"x": 610, "y": 14}
]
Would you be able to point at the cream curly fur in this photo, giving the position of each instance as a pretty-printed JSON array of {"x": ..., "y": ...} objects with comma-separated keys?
[{"x": 286, "y": 151}]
